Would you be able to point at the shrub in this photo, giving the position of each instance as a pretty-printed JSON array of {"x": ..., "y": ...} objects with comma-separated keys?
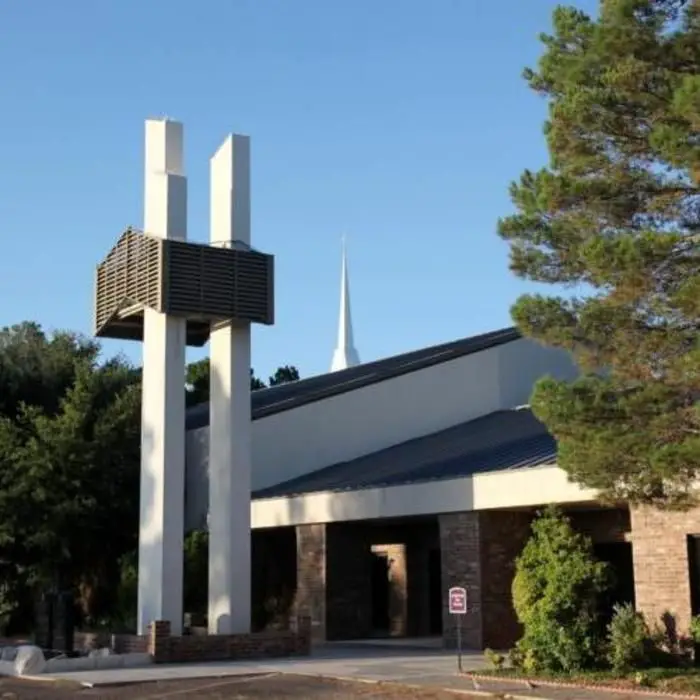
[
  {"x": 668, "y": 648},
  {"x": 694, "y": 629},
  {"x": 515, "y": 658},
  {"x": 196, "y": 572},
  {"x": 556, "y": 588},
  {"x": 496, "y": 660},
  {"x": 628, "y": 639}
]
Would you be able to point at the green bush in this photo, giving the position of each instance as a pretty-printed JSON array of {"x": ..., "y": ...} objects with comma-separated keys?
[
  {"x": 196, "y": 572},
  {"x": 496, "y": 660},
  {"x": 556, "y": 589},
  {"x": 515, "y": 658},
  {"x": 195, "y": 583},
  {"x": 694, "y": 629},
  {"x": 628, "y": 640}
]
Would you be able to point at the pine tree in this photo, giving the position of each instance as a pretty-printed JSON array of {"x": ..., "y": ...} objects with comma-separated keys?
[{"x": 616, "y": 216}]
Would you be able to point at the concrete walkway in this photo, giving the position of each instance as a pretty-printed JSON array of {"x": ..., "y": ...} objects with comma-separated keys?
[
  {"x": 373, "y": 663},
  {"x": 358, "y": 662}
]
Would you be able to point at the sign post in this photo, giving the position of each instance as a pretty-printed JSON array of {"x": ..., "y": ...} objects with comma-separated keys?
[{"x": 457, "y": 598}]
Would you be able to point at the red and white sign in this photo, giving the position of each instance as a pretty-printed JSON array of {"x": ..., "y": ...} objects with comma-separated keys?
[{"x": 458, "y": 601}]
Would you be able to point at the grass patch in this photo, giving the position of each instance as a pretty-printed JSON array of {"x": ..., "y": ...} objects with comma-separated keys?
[{"x": 678, "y": 680}]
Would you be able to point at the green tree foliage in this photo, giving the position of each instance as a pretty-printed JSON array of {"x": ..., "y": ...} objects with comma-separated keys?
[
  {"x": 284, "y": 375},
  {"x": 197, "y": 380},
  {"x": 556, "y": 589},
  {"x": 69, "y": 466},
  {"x": 69, "y": 476},
  {"x": 617, "y": 215},
  {"x": 196, "y": 572}
]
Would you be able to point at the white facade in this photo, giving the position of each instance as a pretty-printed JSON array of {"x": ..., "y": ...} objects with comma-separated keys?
[
  {"x": 300, "y": 440},
  {"x": 517, "y": 488}
]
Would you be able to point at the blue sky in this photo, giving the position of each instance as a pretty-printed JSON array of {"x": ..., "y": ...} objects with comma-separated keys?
[{"x": 397, "y": 122}]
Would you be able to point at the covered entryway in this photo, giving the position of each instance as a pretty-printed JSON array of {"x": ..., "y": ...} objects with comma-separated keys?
[{"x": 382, "y": 578}]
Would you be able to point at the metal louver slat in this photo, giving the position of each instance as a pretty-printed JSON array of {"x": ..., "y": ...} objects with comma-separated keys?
[{"x": 201, "y": 283}]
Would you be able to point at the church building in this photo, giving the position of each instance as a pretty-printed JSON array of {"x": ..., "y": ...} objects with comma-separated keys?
[
  {"x": 378, "y": 486},
  {"x": 369, "y": 491}
]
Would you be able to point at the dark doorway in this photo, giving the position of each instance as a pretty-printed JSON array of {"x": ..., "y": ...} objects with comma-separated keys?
[
  {"x": 380, "y": 593},
  {"x": 618, "y": 557},
  {"x": 694, "y": 573},
  {"x": 435, "y": 591}
]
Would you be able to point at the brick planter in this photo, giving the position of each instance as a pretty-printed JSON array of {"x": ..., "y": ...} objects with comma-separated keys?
[{"x": 165, "y": 648}]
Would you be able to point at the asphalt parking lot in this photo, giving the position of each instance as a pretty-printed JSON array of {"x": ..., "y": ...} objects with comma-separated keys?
[{"x": 268, "y": 686}]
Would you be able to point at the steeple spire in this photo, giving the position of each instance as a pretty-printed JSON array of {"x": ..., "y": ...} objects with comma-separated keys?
[{"x": 345, "y": 354}]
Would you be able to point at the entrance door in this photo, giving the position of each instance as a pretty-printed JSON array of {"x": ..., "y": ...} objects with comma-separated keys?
[
  {"x": 380, "y": 593},
  {"x": 618, "y": 556},
  {"x": 435, "y": 591},
  {"x": 694, "y": 573}
]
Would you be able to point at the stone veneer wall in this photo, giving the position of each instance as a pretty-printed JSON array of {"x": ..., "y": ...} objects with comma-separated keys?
[
  {"x": 661, "y": 566},
  {"x": 478, "y": 553}
]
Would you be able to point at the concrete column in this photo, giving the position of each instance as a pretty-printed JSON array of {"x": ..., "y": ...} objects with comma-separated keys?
[
  {"x": 461, "y": 566},
  {"x": 478, "y": 552},
  {"x": 163, "y": 405},
  {"x": 311, "y": 578},
  {"x": 230, "y": 419}
]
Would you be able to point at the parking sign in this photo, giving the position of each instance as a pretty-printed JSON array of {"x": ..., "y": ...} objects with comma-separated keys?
[{"x": 458, "y": 601}]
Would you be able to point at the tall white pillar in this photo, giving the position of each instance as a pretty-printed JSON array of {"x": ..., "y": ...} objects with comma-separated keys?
[
  {"x": 163, "y": 411},
  {"x": 230, "y": 417}
]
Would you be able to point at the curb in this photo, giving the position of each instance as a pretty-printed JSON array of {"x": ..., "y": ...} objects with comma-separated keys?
[
  {"x": 118, "y": 683},
  {"x": 418, "y": 686},
  {"x": 593, "y": 687}
]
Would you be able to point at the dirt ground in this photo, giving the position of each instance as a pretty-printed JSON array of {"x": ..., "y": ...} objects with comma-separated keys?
[{"x": 269, "y": 687}]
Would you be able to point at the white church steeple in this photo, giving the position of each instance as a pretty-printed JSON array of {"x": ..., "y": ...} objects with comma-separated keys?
[{"x": 345, "y": 354}]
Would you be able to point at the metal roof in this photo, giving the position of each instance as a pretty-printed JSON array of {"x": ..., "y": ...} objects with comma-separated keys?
[
  {"x": 266, "y": 402},
  {"x": 496, "y": 442}
]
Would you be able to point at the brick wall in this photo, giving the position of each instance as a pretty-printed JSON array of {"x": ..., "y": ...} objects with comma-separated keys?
[
  {"x": 478, "y": 553},
  {"x": 479, "y": 550},
  {"x": 461, "y": 566},
  {"x": 600, "y": 525},
  {"x": 661, "y": 567},
  {"x": 310, "y": 598},
  {"x": 503, "y": 536},
  {"x": 164, "y": 648}
]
